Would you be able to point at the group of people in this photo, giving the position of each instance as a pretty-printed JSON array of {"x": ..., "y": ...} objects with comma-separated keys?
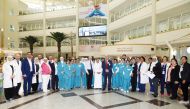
[{"x": 124, "y": 74}]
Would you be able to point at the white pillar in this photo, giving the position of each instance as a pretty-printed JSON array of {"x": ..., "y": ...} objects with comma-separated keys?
[
  {"x": 44, "y": 29},
  {"x": 153, "y": 22},
  {"x": 77, "y": 32},
  {"x": 108, "y": 33}
]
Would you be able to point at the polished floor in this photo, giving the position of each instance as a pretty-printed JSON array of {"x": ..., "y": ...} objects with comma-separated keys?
[{"x": 91, "y": 99}]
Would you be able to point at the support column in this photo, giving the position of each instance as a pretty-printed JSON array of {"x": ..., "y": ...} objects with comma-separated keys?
[
  {"x": 77, "y": 32},
  {"x": 2, "y": 38},
  {"x": 108, "y": 21},
  {"x": 44, "y": 29},
  {"x": 153, "y": 31}
]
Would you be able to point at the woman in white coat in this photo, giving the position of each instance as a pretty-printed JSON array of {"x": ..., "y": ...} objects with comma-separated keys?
[
  {"x": 142, "y": 78},
  {"x": 9, "y": 80},
  {"x": 18, "y": 73},
  {"x": 98, "y": 74}
]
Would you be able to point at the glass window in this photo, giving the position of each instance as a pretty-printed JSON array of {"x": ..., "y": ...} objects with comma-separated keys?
[
  {"x": 11, "y": 12},
  {"x": 11, "y": 28}
]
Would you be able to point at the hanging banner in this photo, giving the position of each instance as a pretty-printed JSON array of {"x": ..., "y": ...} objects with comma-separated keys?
[{"x": 92, "y": 12}]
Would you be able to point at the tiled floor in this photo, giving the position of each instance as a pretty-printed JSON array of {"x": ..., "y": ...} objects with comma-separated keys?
[{"x": 92, "y": 99}]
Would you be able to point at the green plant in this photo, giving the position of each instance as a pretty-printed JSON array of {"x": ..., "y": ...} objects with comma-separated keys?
[
  {"x": 59, "y": 38},
  {"x": 31, "y": 40}
]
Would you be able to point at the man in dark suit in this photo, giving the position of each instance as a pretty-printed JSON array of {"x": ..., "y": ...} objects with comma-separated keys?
[
  {"x": 184, "y": 76},
  {"x": 107, "y": 72},
  {"x": 157, "y": 70},
  {"x": 28, "y": 72},
  {"x": 54, "y": 77},
  {"x": 134, "y": 75}
]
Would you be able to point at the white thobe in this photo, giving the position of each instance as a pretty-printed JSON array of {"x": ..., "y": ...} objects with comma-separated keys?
[{"x": 97, "y": 75}]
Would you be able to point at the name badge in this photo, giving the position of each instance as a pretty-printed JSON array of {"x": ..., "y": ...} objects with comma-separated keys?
[{"x": 107, "y": 70}]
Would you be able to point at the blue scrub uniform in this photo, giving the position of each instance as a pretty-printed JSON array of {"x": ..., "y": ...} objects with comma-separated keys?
[
  {"x": 78, "y": 68},
  {"x": 115, "y": 77},
  {"x": 120, "y": 74},
  {"x": 73, "y": 75},
  {"x": 61, "y": 75},
  {"x": 68, "y": 77},
  {"x": 127, "y": 78},
  {"x": 83, "y": 75}
]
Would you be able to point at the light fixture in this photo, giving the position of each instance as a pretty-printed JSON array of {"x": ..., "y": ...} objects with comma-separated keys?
[
  {"x": 188, "y": 50},
  {"x": 174, "y": 52},
  {"x": 2, "y": 29}
]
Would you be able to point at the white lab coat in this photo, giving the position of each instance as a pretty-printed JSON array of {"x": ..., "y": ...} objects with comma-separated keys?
[
  {"x": 39, "y": 74},
  {"x": 97, "y": 77},
  {"x": 167, "y": 67},
  {"x": 17, "y": 70},
  {"x": 7, "y": 73},
  {"x": 143, "y": 73}
]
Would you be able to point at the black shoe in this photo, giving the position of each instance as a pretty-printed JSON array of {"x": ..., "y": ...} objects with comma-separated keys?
[
  {"x": 18, "y": 96},
  {"x": 109, "y": 89},
  {"x": 173, "y": 98},
  {"x": 155, "y": 95},
  {"x": 133, "y": 90},
  {"x": 15, "y": 97},
  {"x": 103, "y": 89}
]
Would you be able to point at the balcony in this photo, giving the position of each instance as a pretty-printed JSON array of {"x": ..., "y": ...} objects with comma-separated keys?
[
  {"x": 48, "y": 15},
  {"x": 178, "y": 23},
  {"x": 50, "y": 49},
  {"x": 120, "y": 16},
  {"x": 129, "y": 9}
]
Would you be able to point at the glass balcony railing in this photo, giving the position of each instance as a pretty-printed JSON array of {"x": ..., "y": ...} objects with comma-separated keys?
[
  {"x": 93, "y": 41},
  {"x": 49, "y": 9},
  {"x": 49, "y": 42},
  {"x": 129, "y": 9},
  {"x": 178, "y": 22},
  {"x": 174, "y": 23},
  {"x": 49, "y": 25}
]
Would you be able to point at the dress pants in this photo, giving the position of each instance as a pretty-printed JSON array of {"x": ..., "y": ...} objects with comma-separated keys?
[
  {"x": 89, "y": 79},
  {"x": 162, "y": 84},
  {"x": 9, "y": 93},
  {"x": 151, "y": 85},
  {"x": 27, "y": 84},
  {"x": 168, "y": 87},
  {"x": 107, "y": 76},
  {"x": 184, "y": 88},
  {"x": 142, "y": 87},
  {"x": 174, "y": 88},
  {"x": 54, "y": 82},
  {"x": 134, "y": 83},
  {"x": 34, "y": 87},
  {"x": 155, "y": 82},
  {"x": 45, "y": 81},
  {"x": 17, "y": 89}
]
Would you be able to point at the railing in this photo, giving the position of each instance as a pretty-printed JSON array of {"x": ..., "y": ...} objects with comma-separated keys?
[
  {"x": 35, "y": 11},
  {"x": 101, "y": 40},
  {"x": 49, "y": 43},
  {"x": 131, "y": 8},
  {"x": 49, "y": 25},
  {"x": 178, "y": 22}
]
